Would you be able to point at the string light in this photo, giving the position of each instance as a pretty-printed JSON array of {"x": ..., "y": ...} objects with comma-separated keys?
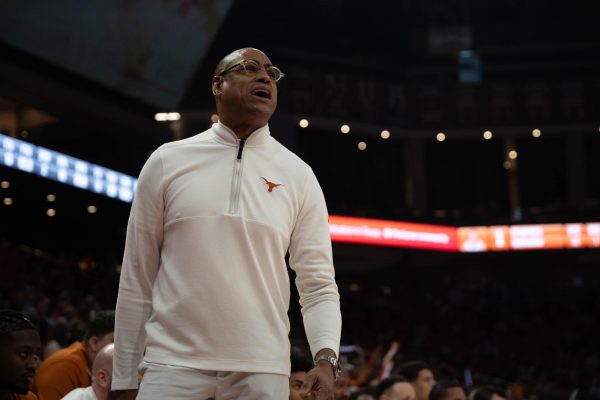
[{"x": 167, "y": 116}]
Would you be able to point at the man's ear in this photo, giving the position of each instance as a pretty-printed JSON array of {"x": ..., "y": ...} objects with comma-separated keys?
[
  {"x": 102, "y": 378},
  {"x": 217, "y": 82}
]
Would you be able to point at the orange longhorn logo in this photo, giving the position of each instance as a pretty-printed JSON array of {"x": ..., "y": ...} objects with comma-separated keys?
[{"x": 271, "y": 185}]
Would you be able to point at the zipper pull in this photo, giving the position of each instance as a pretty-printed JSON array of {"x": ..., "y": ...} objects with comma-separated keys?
[{"x": 239, "y": 155}]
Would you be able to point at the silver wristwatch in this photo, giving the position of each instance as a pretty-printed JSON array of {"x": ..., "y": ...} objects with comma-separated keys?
[{"x": 337, "y": 370}]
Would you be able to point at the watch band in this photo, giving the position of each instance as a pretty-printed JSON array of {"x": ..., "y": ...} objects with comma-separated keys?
[{"x": 335, "y": 365}]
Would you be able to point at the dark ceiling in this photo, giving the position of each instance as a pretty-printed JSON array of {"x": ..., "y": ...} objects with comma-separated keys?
[{"x": 374, "y": 65}]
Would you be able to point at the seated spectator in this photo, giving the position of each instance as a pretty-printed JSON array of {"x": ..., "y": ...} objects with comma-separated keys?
[
  {"x": 20, "y": 349},
  {"x": 363, "y": 394},
  {"x": 447, "y": 390},
  {"x": 300, "y": 366},
  {"x": 395, "y": 388},
  {"x": 342, "y": 386},
  {"x": 70, "y": 368},
  {"x": 101, "y": 378},
  {"x": 487, "y": 393},
  {"x": 58, "y": 334},
  {"x": 420, "y": 377}
]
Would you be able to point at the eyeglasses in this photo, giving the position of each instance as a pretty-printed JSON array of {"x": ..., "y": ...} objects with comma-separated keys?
[{"x": 252, "y": 67}]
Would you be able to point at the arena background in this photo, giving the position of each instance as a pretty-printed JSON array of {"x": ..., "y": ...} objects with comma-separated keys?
[{"x": 90, "y": 81}]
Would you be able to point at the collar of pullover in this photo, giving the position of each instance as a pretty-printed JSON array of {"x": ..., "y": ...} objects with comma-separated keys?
[{"x": 257, "y": 138}]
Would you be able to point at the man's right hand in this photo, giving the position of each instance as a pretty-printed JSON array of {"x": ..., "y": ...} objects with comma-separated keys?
[{"x": 123, "y": 394}]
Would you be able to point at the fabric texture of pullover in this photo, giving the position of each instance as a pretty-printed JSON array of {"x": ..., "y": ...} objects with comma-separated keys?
[{"x": 204, "y": 282}]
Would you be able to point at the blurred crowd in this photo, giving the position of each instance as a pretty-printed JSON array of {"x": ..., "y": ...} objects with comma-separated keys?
[{"x": 527, "y": 326}]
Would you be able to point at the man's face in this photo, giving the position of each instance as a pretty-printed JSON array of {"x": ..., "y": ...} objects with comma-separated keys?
[
  {"x": 105, "y": 339},
  {"x": 455, "y": 393},
  {"x": 251, "y": 98},
  {"x": 98, "y": 342},
  {"x": 19, "y": 358},
  {"x": 423, "y": 384},
  {"x": 296, "y": 381},
  {"x": 400, "y": 391}
]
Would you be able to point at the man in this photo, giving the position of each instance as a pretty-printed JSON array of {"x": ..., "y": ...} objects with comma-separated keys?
[
  {"x": 20, "y": 348},
  {"x": 101, "y": 378},
  {"x": 299, "y": 368},
  {"x": 69, "y": 368},
  {"x": 204, "y": 290},
  {"x": 447, "y": 390},
  {"x": 395, "y": 388},
  {"x": 420, "y": 377}
]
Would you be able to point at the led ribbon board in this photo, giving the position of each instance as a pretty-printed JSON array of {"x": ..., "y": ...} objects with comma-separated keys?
[
  {"x": 24, "y": 156},
  {"x": 392, "y": 233},
  {"x": 529, "y": 237},
  {"x": 473, "y": 239}
]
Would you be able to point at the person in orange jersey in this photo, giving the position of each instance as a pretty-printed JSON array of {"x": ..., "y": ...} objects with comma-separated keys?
[{"x": 70, "y": 368}]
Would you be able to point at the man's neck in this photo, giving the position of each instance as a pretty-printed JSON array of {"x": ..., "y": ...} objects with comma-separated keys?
[{"x": 242, "y": 130}]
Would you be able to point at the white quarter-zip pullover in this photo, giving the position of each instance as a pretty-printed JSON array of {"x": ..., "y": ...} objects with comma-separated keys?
[{"x": 204, "y": 282}]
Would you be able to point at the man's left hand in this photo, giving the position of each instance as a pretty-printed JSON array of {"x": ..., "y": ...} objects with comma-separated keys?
[{"x": 319, "y": 383}]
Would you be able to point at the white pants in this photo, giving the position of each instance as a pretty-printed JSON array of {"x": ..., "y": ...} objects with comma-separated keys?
[{"x": 162, "y": 382}]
